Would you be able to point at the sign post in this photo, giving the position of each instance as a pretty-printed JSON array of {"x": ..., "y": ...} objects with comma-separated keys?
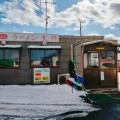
[{"x": 41, "y": 75}]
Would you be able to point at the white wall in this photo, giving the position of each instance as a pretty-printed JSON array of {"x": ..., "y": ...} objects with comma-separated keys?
[
  {"x": 118, "y": 56},
  {"x": 119, "y": 80}
]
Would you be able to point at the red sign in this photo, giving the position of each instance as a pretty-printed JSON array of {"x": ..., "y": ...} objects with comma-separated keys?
[
  {"x": 37, "y": 74},
  {"x": 3, "y": 36}
]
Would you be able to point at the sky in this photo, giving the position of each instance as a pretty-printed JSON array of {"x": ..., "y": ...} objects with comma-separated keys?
[
  {"x": 64, "y": 17},
  {"x": 42, "y": 102}
]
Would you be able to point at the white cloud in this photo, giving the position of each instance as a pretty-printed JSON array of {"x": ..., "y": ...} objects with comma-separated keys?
[
  {"x": 27, "y": 32},
  {"x": 6, "y": 20},
  {"x": 111, "y": 37},
  {"x": 101, "y": 12},
  {"x": 93, "y": 34},
  {"x": 104, "y": 12},
  {"x": 15, "y": 12},
  {"x": 106, "y": 37}
]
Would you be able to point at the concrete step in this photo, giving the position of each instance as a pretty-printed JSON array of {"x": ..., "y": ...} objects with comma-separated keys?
[{"x": 113, "y": 93}]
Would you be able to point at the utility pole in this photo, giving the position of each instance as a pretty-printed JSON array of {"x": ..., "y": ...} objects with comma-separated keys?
[
  {"x": 46, "y": 16},
  {"x": 46, "y": 23},
  {"x": 80, "y": 28}
]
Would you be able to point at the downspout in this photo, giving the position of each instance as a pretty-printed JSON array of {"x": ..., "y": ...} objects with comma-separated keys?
[
  {"x": 72, "y": 52},
  {"x": 82, "y": 59}
]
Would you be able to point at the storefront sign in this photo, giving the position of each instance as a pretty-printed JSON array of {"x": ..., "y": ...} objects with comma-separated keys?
[
  {"x": 41, "y": 75},
  {"x": 100, "y": 48},
  {"x": 29, "y": 37}
]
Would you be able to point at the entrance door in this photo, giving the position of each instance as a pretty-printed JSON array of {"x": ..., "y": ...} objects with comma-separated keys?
[
  {"x": 91, "y": 69},
  {"x": 108, "y": 73},
  {"x": 100, "y": 69}
]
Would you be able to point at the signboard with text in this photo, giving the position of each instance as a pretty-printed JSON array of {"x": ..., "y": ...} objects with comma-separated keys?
[
  {"x": 29, "y": 37},
  {"x": 41, "y": 75}
]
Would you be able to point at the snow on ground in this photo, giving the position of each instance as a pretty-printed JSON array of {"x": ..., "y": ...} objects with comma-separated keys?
[{"x": 40, "y": 101}]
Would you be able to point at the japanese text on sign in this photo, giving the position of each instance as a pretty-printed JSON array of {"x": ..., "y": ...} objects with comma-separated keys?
[
  {"x": 41, "y": 75},
  {"x": 29, "y": 37}
]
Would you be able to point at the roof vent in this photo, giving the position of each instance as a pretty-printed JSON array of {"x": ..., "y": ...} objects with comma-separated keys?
[
  {"x": 3, "y": 42},
  {"x": 44, "y": 43}
]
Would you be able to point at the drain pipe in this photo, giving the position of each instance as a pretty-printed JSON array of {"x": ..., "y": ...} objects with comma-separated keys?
[
  {"x": 82, "y": 59},
  {"x": 72, "y": 52}
]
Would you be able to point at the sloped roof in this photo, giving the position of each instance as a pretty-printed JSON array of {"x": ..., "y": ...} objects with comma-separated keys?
[
  {"x": 101, "y": 41},
  {"x": 44, "y": 47},
  {"x": 10, "y": 46}
]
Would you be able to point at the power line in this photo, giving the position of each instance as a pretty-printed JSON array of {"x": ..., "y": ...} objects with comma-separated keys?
[
  {"x": 36, "y": 10},
  {"x": 24, "y": 8},
  {"x": 47, "y": 11}
]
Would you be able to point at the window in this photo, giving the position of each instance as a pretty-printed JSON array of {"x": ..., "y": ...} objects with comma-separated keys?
[
  {"x": 9, "y": 58},
  {"x": 107, "y": 59},
  {"x": 44, "y": 58},
  {"x": 91, "y": 59}
]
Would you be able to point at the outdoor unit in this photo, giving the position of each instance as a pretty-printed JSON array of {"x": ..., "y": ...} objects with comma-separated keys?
[{"x": 62, "y": 78}]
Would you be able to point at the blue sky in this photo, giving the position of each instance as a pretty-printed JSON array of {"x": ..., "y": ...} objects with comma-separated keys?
[{"x": 97, "y": 17}]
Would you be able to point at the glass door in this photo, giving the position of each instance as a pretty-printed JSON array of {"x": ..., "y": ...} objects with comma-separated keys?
[
  {"x": 108, "y": 75},
  {"x": 91, "y": 69}
]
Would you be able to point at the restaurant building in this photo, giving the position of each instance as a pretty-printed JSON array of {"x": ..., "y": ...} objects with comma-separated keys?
[{"x": 34, "y": 58}]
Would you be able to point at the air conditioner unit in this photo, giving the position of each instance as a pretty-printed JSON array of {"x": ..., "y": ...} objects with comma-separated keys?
[{"x": 62, "y": 78}]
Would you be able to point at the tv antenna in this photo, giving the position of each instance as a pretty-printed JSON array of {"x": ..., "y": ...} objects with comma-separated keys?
[
  {"x": 47, "y": 17},
  {"x": 81, "y": 27}
]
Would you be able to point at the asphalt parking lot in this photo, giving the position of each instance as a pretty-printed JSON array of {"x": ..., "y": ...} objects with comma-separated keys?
[{"x": 107, "y": 112}]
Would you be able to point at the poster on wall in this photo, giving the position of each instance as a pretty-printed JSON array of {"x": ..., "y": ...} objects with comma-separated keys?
[
  {"x": 41, "y": 75},
  {"x": 102, "y": 75}
]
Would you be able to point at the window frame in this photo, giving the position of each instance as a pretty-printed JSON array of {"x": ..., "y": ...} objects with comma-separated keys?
[
  {"x": 106, "y": 56},
  {"x": 45, "y": 66},
  {"x": 99, "y": 61},
  {"x": 18, "y": 58},
  {"x": 90, "y": 60}
]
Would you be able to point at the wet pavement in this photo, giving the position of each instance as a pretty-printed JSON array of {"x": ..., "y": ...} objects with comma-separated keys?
[
  {"x": 107, "y": 112},
  {"x": 108, "y": 104}
]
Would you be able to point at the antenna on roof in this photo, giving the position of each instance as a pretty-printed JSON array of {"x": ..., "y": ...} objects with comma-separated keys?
[
  {"x": 81, "y": 27},
  {"x": 46, "y": 13}
]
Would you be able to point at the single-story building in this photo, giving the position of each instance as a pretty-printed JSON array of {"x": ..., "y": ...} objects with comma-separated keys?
[
  {"x": 97, "y": 62},
  {"x": 34, "y": 58}
]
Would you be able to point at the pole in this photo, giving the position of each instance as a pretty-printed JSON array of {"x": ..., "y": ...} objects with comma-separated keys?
[
  {"x": 46, "y": 17},
  {"x": 46, "y": 23},
  {"x": 80, "y": 28}
]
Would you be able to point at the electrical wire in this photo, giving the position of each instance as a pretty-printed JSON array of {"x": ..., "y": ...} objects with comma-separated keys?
[
  {"x": 53, "y": 21},
  {"x": 52, "y": 15},
  {"x": 25, "y": 9},
  {"x": 37, "y": 10},
  {"x": 45, "y": 10}
]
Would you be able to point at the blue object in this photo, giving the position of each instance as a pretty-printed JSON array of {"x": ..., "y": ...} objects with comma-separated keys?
[{"x": 79, "y": 78}]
